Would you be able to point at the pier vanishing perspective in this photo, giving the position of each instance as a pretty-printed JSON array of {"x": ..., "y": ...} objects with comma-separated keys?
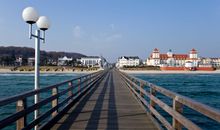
[{"x": 107, "y": 99}]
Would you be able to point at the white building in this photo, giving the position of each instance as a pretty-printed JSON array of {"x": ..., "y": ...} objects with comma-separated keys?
[
  {"x": 19, "y": 61},
  {"x": 31, "y": 61},
  {"x": 214, "y": 62},
  {"x": 64, "y": 60},
  {"x": 128, "y": 61},
  {"x": 93, "y": 61},
  {"x": 171, "y": 59}
]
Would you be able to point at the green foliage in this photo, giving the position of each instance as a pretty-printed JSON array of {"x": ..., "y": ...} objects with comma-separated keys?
[{"x": 8, "y": 55}]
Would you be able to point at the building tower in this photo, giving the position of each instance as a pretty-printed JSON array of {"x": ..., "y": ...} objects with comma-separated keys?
[
  {"x": 193, "y": 54},
  {"x": 155, "y": 57},
  {"x": 156, "y": 54},
  {"x": 170, "y": 60},
  {"x": 170, "y": 53}
]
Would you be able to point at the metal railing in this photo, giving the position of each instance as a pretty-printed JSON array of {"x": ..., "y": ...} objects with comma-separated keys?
[
  {"x": 143, "y": 89},
  {"x": 75, "y": 88}
]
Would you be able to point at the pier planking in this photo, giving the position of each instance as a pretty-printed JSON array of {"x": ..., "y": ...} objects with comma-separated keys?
[{"x": 108, "y": 105}]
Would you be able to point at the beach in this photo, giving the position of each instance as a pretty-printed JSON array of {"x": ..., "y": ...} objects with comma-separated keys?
[
  {"x": 6, "y": 70},
  {"x": 168, "y": 72}
]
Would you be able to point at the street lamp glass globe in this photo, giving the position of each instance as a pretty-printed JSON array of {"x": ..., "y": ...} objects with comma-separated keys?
[
  {"x": 43, "y": 23},
  {"x": 30, "y": 15}
]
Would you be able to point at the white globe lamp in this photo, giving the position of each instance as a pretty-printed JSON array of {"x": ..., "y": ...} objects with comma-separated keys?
[
  {"x": 43, "y": 23},
  {"x": 30, "y": 15}
]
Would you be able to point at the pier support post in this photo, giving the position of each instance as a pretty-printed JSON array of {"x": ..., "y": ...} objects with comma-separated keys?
[
  {"x": 21, "y": 105},
  {"x": 55, "y": 101},
  {"x": 177, "y": 106}
]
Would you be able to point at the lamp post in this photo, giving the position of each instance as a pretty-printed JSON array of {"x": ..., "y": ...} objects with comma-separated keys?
[{"x": 31, "y": 17}]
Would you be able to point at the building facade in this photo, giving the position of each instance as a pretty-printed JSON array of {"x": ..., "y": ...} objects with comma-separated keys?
[
  {"x": 171, "y": 59},
  {"x": 63, "y": 60},
  {"x": 93, "y": 61},
  {"x": 128, "y": 61},
  {"x": 31, "y": 61},
  {"x": 214, "y": 62}
]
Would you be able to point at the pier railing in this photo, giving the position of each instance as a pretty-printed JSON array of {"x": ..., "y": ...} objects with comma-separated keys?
[
  {"x": 143, "y": 89},
  {"x": 74, "y": 89}
]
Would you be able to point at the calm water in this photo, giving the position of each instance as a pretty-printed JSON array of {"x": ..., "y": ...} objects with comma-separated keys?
[
  {"x": 12, "y": 84},
  {"x": 204, "y": 88}
]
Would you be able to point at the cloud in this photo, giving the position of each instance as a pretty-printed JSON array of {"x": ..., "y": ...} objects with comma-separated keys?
[
  {"x": 77, "y": 32},
  {"x": 112, "y": 26},
  {"x": 113, "y": 37},
  {"x": 109, "y": 35},
  {"x": 106, "y": 37}
]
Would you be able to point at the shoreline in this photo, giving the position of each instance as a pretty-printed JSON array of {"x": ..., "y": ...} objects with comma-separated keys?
[
  {"x": 168, "y": 72},
  {"x": 8, "y": 71}
]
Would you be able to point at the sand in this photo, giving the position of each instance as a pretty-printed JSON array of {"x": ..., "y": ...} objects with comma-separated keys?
[
  {"x": 48, "y": 72},
  {"x": 169, "y": 72}
]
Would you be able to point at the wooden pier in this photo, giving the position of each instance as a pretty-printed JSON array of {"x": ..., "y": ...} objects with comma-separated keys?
[
  {"x": 107, "y": 99},
  {"x": 109, "y": 105}
]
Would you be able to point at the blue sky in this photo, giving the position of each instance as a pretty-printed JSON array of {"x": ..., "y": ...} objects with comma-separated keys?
[{"x": 118, "y": 27}]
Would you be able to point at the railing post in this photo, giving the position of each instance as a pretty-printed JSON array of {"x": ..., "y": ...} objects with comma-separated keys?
[
  {"x": 70, "y": 93},
  {"x": 55, "y": 101},
  {"x": 152, "y": 93},
  {"x": 21, "y": 105},
  {"x": 79, "y": 87},
  {"x": 87, "y": 81},
  {"x": 141, "y": 87},
  {"x": 177, "y": 106},
  {"x": 84, "y": 83},
  {"x": 91, "y": 78}
]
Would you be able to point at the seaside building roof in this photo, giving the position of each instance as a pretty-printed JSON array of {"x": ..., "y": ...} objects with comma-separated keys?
[
  {"x": 193, "y": 51},
  {"x": 129, "y": 57},
  {"x": 156, "y": 50},
  {"x": 91, "y": 57}
]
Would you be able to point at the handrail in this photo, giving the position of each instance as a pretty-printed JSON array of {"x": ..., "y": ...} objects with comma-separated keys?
[
  {"x": 84, "y": 82},
  {"x": 21, "y": 96},
  {"x": 179, "y": 121}
]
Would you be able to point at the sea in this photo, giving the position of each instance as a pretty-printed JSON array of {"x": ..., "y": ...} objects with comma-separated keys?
[{"x": 204, "y": 88}]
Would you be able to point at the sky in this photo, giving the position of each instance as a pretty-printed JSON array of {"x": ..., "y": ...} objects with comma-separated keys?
[{"x": 114, "y": 28}]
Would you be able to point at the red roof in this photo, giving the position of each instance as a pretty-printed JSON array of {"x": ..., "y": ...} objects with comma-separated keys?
[
  {"x": 175, "y": 56},
  {"x": 180, "y": 56},
  {"x": 156, "y": 50},
  {"x": 163, "y": 56},
  {"x": 193, "y": 51}
]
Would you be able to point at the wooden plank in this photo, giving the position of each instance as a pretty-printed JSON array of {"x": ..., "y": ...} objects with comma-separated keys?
[
  {"x": 179, "y": 108},
  {"x": 108, "y": 106},
  {"x": 55, "y": 101},
  {"x": 180, "y": 118},
  {"x": 152, "y": 93},
  {"x": 22, "y": 122},
  {"x": 12, "y": 118},
  {"x": 15, "y": 98},
  {"x": 52, "y": 121},
  {"x": 199, "y": 107}
]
